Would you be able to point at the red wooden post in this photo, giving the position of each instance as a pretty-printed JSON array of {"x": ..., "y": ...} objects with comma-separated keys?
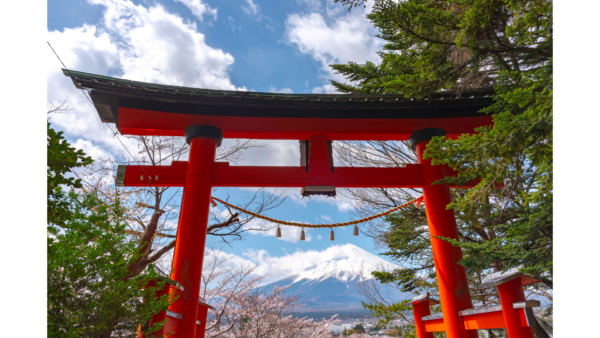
[
  {"x": 451, "y": 277},
  {"x": 191, "y": 234},
  {"x": 171, "y": 288},
  {"x": 512, "y": 292},
  {"x": 318, "y": 158},
  {"x": 421, "y": 309},
  {"x": 201, "y": 318}
]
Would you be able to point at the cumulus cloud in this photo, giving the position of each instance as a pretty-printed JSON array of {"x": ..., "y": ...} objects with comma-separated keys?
[
  {"x": 90, "y": 49},
  {"x": 278, "y": 267},
  {"x": 214, "y": 258},
  {"x": 137, "y": 43},
  {"x": 199, "y": 9},
  {"x": 92, "y": 150},
  {"x": 224, "y": 260},
  {"x": 274, "y": 153},
  {"x": 273, "y": 267},
  {"x": 160, "y": 47},
  {"x": 338, "y": 37}
]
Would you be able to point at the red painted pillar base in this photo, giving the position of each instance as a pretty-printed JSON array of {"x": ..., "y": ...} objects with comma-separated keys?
[
  {"x": 201, "y": 317},
  {"x": 193, "y": 221},
  {"x": 169, "y": 289},
  {"x": 421, "y": 310},
  {"x": 510, "y": 293},
  {"x": 451, "y": 277}
]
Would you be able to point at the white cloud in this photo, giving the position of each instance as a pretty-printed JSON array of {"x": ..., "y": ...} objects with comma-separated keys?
[
  {"x": 227, "y": 260},
  {"x": 90, "y": 49},
  {"x": 274, "y": 153},
  {"x": 288, "y": 233},
  {"x": 158, "y": 46},
  {"x": 252, "y": 8},
  {"x": 342, "y": 203},
  {"x": 274, "y": 267},
  {"x": 231, "y": 23},
  {"x": 137, "y": 43},
  {"x": 199, "y": 9},
  {"x": 326, "y": 218},
  {"x": 295, "y": 196},
  {"x": 278, "y": 267},
  {"x": 286, "y": 90},
  {"x": 324, "y": 89},
  {"x": 92, "y": 150},
  {"x": 224, "y": 260},
  {"x": 311, "y": 4},
  {"x": 340, "y": 37}
]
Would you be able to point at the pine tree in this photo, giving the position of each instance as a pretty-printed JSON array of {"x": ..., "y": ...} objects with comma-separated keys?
[
  {"x": 454, "y": 46},
  {"x": 88, "y": 258}
]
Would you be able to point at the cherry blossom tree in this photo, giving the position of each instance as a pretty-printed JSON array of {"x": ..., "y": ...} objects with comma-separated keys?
[{"x": 242, "y": 309}]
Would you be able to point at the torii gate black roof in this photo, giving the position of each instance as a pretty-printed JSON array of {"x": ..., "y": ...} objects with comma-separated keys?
[{"x": 109, "y": 93}]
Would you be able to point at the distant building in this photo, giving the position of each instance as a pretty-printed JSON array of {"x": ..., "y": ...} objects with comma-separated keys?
[{"x": 359, "y": 328}]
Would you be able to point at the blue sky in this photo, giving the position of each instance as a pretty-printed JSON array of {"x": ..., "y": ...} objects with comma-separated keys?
[
  {"x": 268, "y": 46},
  {"x": 263, "y": 58}
]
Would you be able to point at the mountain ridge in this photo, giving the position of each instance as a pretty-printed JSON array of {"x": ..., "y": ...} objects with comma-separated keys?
[{"x": 329, "y": 286}]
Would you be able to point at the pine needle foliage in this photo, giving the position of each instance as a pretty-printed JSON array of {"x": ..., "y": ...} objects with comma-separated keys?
[
  {"x": 62, "y": 158},
  {"x": 89, "y": 294},
  {"x": 434, "y": 45},
  {"x": 456, "y": 45}
]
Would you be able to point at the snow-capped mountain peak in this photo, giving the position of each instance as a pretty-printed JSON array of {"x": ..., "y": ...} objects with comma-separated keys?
[
  {"x": 355, "y": 263},
  {"x": 330, "y": 284}
]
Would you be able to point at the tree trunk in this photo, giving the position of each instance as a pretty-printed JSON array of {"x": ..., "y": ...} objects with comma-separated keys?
[
  {"x": 545, "y": 325},
  {"x": 538, "y": 332}
]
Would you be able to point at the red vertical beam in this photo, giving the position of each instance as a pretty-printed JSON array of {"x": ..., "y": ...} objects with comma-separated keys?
[
  {"x": 512, "y": 292},
  {"x": 451, "y": 277},
  {"x": 318, "y": 157},
  {"x": 201, "y": 316},
  {"x": 421, "y": 309},
  {"x": 191, "y": 234}
]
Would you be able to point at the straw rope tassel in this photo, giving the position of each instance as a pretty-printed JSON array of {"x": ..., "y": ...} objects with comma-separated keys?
[{"x": 417, "y": 201}]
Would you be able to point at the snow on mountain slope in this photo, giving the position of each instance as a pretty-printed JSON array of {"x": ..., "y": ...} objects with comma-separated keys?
[
  {"x": 329, "y": 285},
  {"x": 345, "y": 269}
]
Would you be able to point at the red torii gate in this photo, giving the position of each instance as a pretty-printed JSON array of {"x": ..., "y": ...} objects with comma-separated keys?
[{"x": 205, "y": 117}]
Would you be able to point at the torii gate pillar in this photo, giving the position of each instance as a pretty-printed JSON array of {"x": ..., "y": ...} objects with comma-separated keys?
[
  {"x": 188, "y": 255},
  {"x": 451, "y": 277}
]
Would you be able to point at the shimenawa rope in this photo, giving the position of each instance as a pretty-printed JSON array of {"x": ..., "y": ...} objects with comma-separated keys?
[{"x": 417, "y": 201}]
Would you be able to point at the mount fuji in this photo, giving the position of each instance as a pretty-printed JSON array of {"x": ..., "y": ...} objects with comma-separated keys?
[{"x": 330, "y": 285}]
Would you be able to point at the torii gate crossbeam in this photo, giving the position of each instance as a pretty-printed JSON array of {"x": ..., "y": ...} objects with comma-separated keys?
[{"x": 205, "y": 117}]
